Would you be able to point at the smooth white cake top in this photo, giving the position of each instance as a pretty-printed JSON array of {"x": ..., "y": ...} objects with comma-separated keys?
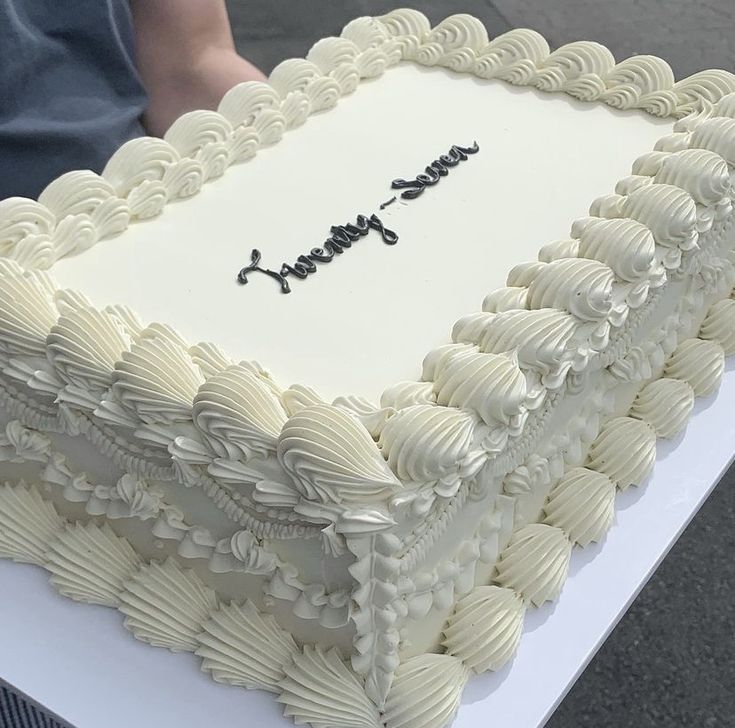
[{"x": 367, "y": 319}]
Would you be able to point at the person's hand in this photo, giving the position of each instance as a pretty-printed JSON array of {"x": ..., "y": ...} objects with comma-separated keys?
[{"x": 186, "y": 58}]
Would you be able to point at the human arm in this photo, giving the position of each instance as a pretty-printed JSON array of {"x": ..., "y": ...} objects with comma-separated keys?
[{"x": 186, "y": 57}]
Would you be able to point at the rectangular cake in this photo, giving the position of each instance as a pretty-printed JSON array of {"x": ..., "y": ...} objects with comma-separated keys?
[{"x": 281, "y": 389}]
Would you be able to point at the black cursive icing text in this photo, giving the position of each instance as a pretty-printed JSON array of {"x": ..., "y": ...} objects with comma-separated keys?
[
  {"x": 342, "y": 238},
  {"x": 433, "y": 172}
]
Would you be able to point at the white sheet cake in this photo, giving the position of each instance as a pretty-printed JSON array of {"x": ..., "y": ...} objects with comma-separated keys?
[{"x": 363, "y": 540}]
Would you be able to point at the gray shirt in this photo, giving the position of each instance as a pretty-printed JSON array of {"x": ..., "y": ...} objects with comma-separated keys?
[{"x": 70, "y": 94}]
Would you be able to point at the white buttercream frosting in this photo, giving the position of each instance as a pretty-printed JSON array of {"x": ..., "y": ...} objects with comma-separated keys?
[
  {"x": 625, "y": 451},
  {"x": 405, "y": 394},
  {"x": 625, "y": 245},
  {"x": 718, "y": 135},
  {"x": 27, "y": 523},
  {"x": 513, "y": 56},
  {"x": 90, "y": 563},
  {"x": 485, "y": 628},
  {"x": 719, "y": 325},
  {"x": 426, "y": 692},
  {"x": 535, "y": 563},
  {"x": 582, "y": 504},
  {"x": 492, "y": 385},
  {"x": 166, "y": 605},
  {"x": 156, "y": 378},
  {"x": 540, "y": 338},
  {"x": 332, "y": 458},
  {"x": 241, "y": 646},
  {"x": 27, "y": 314},
  {"x": 538, "y": 325},
  {"x": 582, "y": 287},
  {"x": 698, "y": 362},
  {"x": 238, "y": 413},
  {"x": 425, "y": 443},
  {"x": 665, "y": 404},
  {"x": 319, "y": 689},
  {"x": 297, "y": 75},
  {"x": 83, "y": 346}
]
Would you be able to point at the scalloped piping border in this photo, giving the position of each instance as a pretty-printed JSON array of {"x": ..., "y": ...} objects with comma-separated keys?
[{"x": 186, "y": 628}]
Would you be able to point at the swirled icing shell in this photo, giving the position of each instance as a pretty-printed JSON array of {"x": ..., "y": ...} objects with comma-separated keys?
[
  {"x": 535, "y": 563},
  {"x": 157, "y": 379},
  {"x": 459, "y": 31},
  {"x": 330, "y": 53},
  {"x": 241, "y": 646},
  {"x": 485, "y": 628},
  {"x": 426, "y": 692},
  {"x": 405, "y": 22},
  {"x": 319, "y": 689},
  {"x": 365, "y": 32},
  {"x": 83, "y": 346},
  {"x": 89, "y": 563},
  {"x": 541, "y": 338},
  {"x": 582, "y": 504},
  {"x": 238, "y": 413},
  {"x": 708, "y": 86},
  {"x": 623, "y": 244},
  {"x": 698, "y": 362},
  {"x": 643, "y": 82},
  {"x": 332, "y": 458},
  {"x": 202, "y": 135},
  {"x": 424, "y": 443},
  {"x": 28, "y": 523},
  {"x": 490, "y": 384},
  {"x": 166, "y": 605},
  {"x": 625, "y": 451},
  {"x": 245, "y": 101},
  {"x": 338, "y": 58},
  {"x": 85, "y": 195},
  {"x": 26, "y": 316},
  {"x": 670, "y": 214},
  {"x": 717, "y": 135},
  {"x": 703, "y": 174},
  {"x": 137, "y": 162},
  {"x": 512, "y": 56},
  {"x": 582, "y": 287},
  {"x": 78, "y": 192},
  {"x": 576, "y": 68},
  {"x": 719, "y": 325},
  {"x": 299, "y": 75},
  {"x": 24, "y": 224},
  {"x": 665, "y": 404}
]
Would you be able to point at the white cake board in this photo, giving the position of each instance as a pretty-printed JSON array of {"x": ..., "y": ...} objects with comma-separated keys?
[{"x": 80, "y": 662}]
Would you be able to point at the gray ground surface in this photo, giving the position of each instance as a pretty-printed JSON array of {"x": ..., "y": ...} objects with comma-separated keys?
[{"x": 671, "y": 660}]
